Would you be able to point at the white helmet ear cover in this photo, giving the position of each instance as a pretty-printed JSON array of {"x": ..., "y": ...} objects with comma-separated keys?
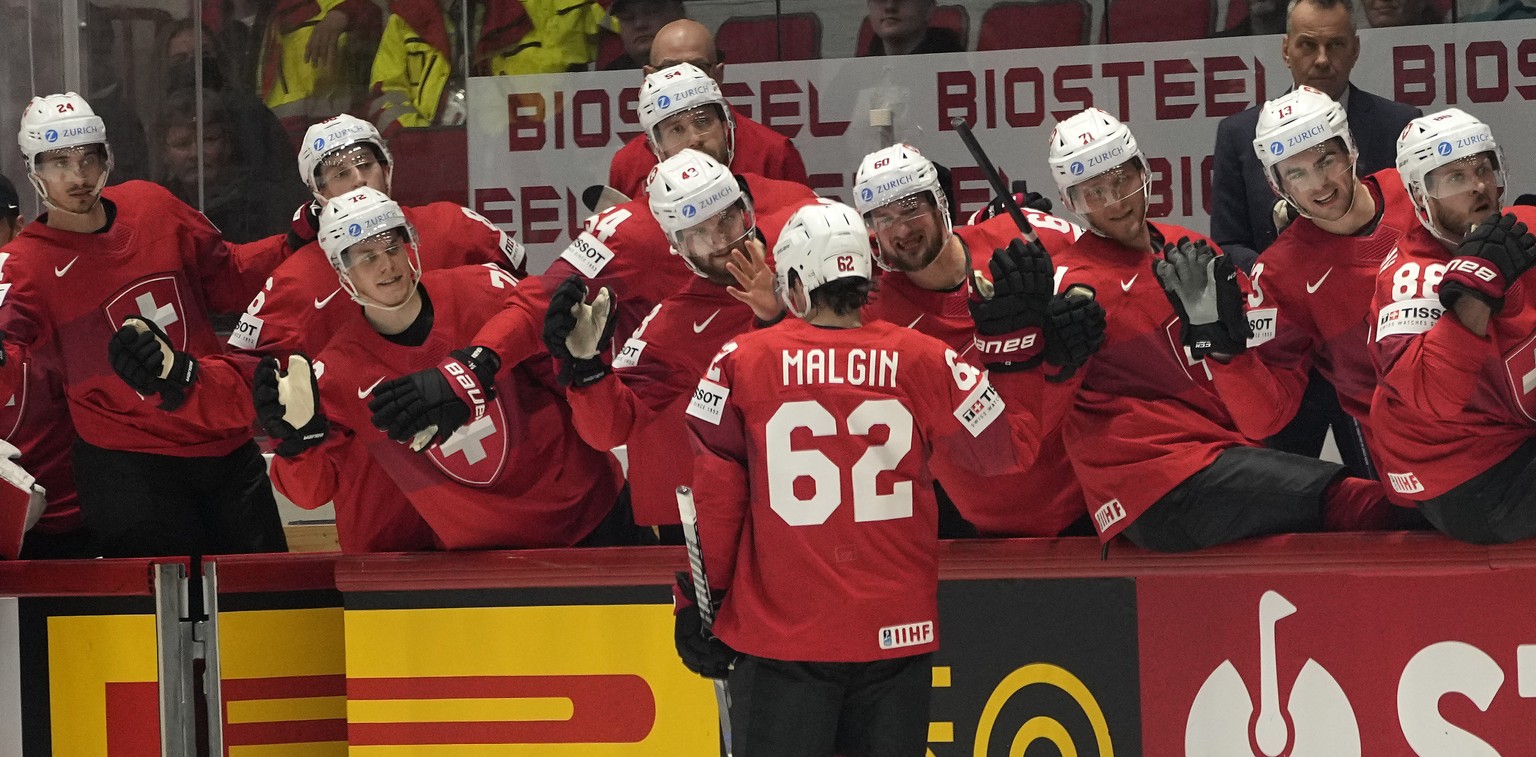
[{"x": 820, "y": 243}]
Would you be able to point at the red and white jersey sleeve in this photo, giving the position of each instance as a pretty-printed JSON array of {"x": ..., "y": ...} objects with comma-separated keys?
[
  {"x": 35, "y": 419},
  {"x": 816, "y": 510},
  {"x": 1310, "y": 305},
  {"x": 1146, "y": 416},
  {"x": 759, "y": 150},
  {"x": 1449, "y": 404},
  {"x": 517, "y": 477}
]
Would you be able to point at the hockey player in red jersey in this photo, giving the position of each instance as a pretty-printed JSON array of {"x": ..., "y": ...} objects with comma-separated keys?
[
  {"x": 815, "y": 505},
  {"x": 639, "y": 403},
  {"x": 744, "y": 145},
  {"x": 924, "y": 285},
  {"x": 1158, "y": 454},
  {"x": 514, "y": 473},
  {"x": 1310, "y": 299},
  {"x": 151, "y": 482},
  {"x": 1454, "y": 327}
]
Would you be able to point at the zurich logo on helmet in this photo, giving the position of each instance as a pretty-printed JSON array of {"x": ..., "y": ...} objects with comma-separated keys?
[
  {"x": 1076, "y": 168},
  {"x": 319, "y": 143},
  {"x": 689, "y": 211},
  {"x": 866, "y": 194},
  {"x": 355, "y": 230},
  {"x": 1444, "y": 148},
  {"x": 663, "y": 102},
  {"x": 1276, "y": 148},
  {"x": 52, "y": 135}
]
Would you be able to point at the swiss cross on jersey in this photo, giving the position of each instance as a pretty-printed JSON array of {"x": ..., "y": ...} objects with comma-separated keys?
[
  {"x": 476, "y": 454},
  {"x": 155, "y": 298},
  {"x": 1520, "y": 367},
  {"x": 1194, "y": 368}
]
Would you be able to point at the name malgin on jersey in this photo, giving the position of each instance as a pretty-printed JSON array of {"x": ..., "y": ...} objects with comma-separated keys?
[{"x": 855, "y": 367}]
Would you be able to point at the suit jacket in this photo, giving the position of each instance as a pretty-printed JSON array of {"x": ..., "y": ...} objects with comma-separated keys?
[{"x": 1242, "y": 203}]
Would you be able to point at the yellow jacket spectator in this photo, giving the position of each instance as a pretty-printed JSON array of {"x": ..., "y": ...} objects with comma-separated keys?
[
  {"x": 422, "y": 62},
  {"x": 313, "y": 59}
]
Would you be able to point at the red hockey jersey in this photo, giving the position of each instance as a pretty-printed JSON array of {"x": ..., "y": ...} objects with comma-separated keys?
[
  {"x": 518, "y": 477},
  {"x": 1311, "y": 306},
  {"x": 759, "y": 150},
  {"x": 1450, "y": 404},
  {"x": 623, "y": 249},
  {"x": 67, "y": 293},
  {"x": 1045, "y": 499},
  {"x": 816, "y": 509},
  {"x": 1146, "y": 416},
  {"x": 35, "y": 418}
]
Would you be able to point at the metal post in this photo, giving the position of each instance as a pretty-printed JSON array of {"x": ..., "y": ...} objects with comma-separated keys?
[
  {"x": 173, "y": 642},
  {"x": 205, "y": 635}
]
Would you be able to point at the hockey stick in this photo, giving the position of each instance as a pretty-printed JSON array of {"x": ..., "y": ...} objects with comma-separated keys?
[
  {"x": 599, "y": 198},
  {"x": 690, "y": 522}
]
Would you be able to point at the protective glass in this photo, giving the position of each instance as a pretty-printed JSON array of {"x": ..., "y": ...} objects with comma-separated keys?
[
  {"x": 724, "y": 230},
  {"x": 374, "y": 250},
  {"x": 678, "y": 131},
  {"x": 1470, "y": 174},
  {"x": 1314, "y": 169},
  {"x": 904, "y": 211},
  {"x": 1109, "y": 188},
  {"x": 350, "y": 165},
  {"x": 84, "y": 161}
]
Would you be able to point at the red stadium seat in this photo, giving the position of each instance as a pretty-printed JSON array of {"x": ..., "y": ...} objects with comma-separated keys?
[
  {"x": 1158, "y": 20},
  {"x": 954, "y": 17},
  {"x": 1020, "y": 25},
  {"x": 610, "y": 47},
  {"x": 758, "y": 39}
]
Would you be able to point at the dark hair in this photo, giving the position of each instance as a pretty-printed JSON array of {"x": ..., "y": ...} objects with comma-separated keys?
[{"x": 843, "y": 296}]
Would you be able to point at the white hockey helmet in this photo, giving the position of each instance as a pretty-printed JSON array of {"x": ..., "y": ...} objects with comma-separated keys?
[
  {"x": 1296, "y": 121},
  {"x": 1091, "y": 144},
  {"x": 333, "y": 134},
  {"x": 821, "y": 243},
  {"x": 56, "y": 122},
  {"x": 1436, "y": 140},
  {"x": 895, "y": 173},
  {"x": 677, "y": 89},
  {"x": 359, "y": 216},
  {"x": 689, "y": 193}
]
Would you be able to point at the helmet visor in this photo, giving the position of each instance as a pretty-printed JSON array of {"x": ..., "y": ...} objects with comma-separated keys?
[
  {"x": 374, "y": 251},
  {"x": 1109, "y": 188},
  {"x": 347, "y": 168},
  {"x": 1470, "y": 174},
  {"x": 687, "y": 128},
  {"x": 86, "y": 162},
  {"x": 723, "y": 231},
  {"x": 1314, "y": 170}
]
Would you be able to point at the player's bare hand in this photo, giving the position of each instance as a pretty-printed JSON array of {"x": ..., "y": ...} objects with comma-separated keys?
[
  {"x": 754, "y": 279},
  {"x": 325, "y": 40}
]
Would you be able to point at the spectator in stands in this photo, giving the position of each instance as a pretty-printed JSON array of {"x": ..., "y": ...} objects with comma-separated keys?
[
  {"x": 246, "y": 201},
  {"x": 1506, "y": 10},
  {"x": 1264, "y": 17},
  {"x": 419, "y": 75},
  {"x": 639, "y": 22},
  {"x": 1384, "y": 13},
  {"x": 109, "y": 97},
  {"x": 1320, "y": 47},
  {"x": 753, "y": 148},
  {"x": 901, "y": 27}
]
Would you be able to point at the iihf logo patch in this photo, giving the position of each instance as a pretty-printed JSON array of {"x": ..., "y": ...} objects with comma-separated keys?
[
  {"x": 1077, "y": 168},
  {"x": 866, "y": 194},
  {"x": 663, "y": 102},
  {"x": 51, "y": 135},
  {"x": 355, "y": 230},
  {"x": 1275, "y": 148},
  {"x": 319, "y": 144},
  {"x": 689, "y": 211},
  {"x": 1444, "y": 148}
]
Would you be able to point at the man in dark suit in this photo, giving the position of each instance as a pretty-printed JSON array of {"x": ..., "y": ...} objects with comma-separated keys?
[{"x": 1320, "y": 47}]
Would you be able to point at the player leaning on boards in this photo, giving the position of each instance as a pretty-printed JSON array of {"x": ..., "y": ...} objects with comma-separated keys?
[
  {"x": 713, "y": 226},
  {"x": 120, "y": 281},
  {"x": 815, "y": 508},
  {"x": 1158, "y": 455},
  {"x": 1310, "y": 300},
  {"x": 621, "y": 248},
  {"x": 513, "y": 475},
  {"x": 1454, "y": 328},
  {"x": 925, "y": 284}
]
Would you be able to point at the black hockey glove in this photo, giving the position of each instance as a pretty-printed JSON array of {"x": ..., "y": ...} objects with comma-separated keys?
[
  {"x": 579, "y": 334},
  {"x": 1031, "y": 201},
  {"x": 288, "y": 404},
  {"x": 305, "y": 227},
  {"x": 426, "y": 407},
  {"x": 141, "y": 355},
  {"x": 699, "y": 649},
  {"x": 1203, "y": 288},
  {"x": 1074, "y": 330},
  {"x": 1490, "y": 259},
  {"x": 1010, "y": 310}
]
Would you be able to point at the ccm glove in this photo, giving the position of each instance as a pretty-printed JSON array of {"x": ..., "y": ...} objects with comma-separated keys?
[
  {"x": 1491, "y": 258},
  {"x": 1074, "y": 330},
  {"x": 1203, "y": 288},
  {"x": 426, "y": 407},
  {"x": 288, "y": 404},
  {"x": 579, "y": 333},
  {"x": 701, "y": 651},
  {"x": 306, "y": 225},
  {"x": 141, "y": 355},
  {"x": 1010, "y": 310}
]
